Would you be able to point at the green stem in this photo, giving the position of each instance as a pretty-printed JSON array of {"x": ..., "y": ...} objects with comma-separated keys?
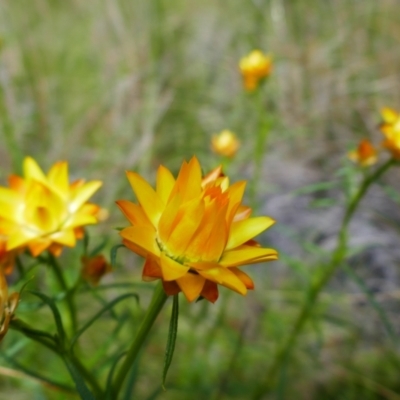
[
  {"x": 261, "y": 139},
  {"x": 48, "y": 341},
  {"x": 69, "y": 294},
  {"x": 157, "y": 303},
  {"x": 318, "y": 284}
]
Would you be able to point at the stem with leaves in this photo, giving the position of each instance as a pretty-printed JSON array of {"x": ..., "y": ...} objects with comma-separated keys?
[
  {"x": 157, "y": 303},
  {"x": 318, "y": 284},
  {"x": 69, "y": 293}
]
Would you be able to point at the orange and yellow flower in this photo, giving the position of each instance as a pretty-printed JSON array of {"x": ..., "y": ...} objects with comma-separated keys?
[
  {"x": 391, "y": 130},
  {"x": 365, "y": 155},
  {"x": 45, "y": 212},
  {"x": 194, "y": 231},
  {"x": 254, "y": 67},
  {"x": 94, "y": 268},
  {"x": 225, "y": 143},
  {"x": 8, "y": 304}
]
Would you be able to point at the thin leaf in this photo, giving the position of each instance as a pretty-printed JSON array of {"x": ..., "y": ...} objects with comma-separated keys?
[
  {"x": 371, "y": 299},
  {"x": 98, "y": 248},
  {"x": 34, "y": 374},
  {"x": 54, "y": 309},
  {"x": 113, "y": 254},
  {"x": 80, "y": 384},
  {"x": 314, "y": 187},
  {"x": 108, "y": 395},
  {"x": 99, "y": 314},
  {"x": 86, "y": 240},
  {"x": 172, "y": 333}
]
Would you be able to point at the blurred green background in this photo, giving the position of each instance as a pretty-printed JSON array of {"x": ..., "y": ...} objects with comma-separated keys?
[{"x": 111, "y": 85}]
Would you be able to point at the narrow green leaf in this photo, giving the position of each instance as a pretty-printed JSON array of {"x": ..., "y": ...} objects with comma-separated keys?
[
  {"x": 314, "y": 187},
  {"x": 100, "y": 313},
  {"x": 54, "y": 309},
  {"x": 34, "y": 374},
  {"x": 173, "y": 330},
  {"x": 372, "y": 301},
  {"x": 99, "y": 248},
  {"x": 80, "y": 384},
  {"x": 86, "y": 240},
  {"x": 108, "y": 395},
  {"x": 113, "y": 254}
]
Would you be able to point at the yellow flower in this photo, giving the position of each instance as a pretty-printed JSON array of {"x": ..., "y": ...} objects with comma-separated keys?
[
  {"x": 94, "y": 268},
  {"x": 225, "y": 143},
  {"x": 194, "y": 232},
  {"x": 255, "y": 67},
  {"x": 391, "y": 130},
  {"x": 7, "y": 306},
  {"x": 42, "y": 211},
  {"x": 365, "y": 155}
]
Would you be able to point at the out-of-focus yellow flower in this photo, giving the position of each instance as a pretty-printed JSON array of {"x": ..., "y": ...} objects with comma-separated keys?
[
  {"x": 8, "y": 304},
  {"x": 365, "y": 155},
  {"x": 391, "y": 130},
  {"x": 225, "y": 143},
  {"x": 94, "y": 268},
  {"x": 255, "y": 67},
  {"x": 42, "y": 211},
  {"x": 194, "y": 232}
]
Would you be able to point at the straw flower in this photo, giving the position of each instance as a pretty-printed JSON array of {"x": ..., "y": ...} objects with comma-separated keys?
[
  {"x": 8, "y": 304},
  {"x": 225, "y": 143},
  {"x": 254, "y": 67},
  {"x": 94, "y": 268},
  {"x": 194, "y": 232},
  {"x": 45, "y": 212},
  {"x": 365, "y": 155},
  {"x": 391, "y": 130}
]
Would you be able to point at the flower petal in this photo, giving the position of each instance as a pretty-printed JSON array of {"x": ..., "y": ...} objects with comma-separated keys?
[
  {"x": 170, "y": 269},
  {"x": 189, "y": 216},
  {"x": 191, "y": 286},
  {"x": 82, "y": 194},
  {"x": 165, "y": 183},
  {"x": 142, "y": 236},
  {"x": 389, "y": 115},
  {"x": 242, "y": 231},
  {"x": 246, "y": 255},
  {"x": 220, "y": 275},
  {"x": 32, "y": 170},
  {"x": 171, "y": 288},
  {"x": 147, "y": 197},
  {"x": 58, "y": 178},
  {"x": 151, "y": 270},
  {"x": 133, "y": 212},
  {"x": 210, "y": 291},
  {"x": 248, "y": 282}
]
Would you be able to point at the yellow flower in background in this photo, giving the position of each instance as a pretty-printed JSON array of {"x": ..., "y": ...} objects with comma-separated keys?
[
  {"x": 391, "y": 130},
  {"x": 45, "y": 212},
  {"x": 255, "y": 67},
  {"x": 8, "y": 304},
  {"x": 365, "y": 155},
  {"x": 194, "y": 232},
  {"x": 94, "y": 268},
  {"x": 225, "y": 143}
]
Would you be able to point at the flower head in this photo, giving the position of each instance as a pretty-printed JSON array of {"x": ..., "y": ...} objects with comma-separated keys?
[
  {"x": 365, "y": 155},
  {"x": 8, "y": 304},
  {"x": 255, "y": 67},
  {"x": 391, "y": 130},
  {"x": 42, "y": 212},
  {"x": 193, "y": 231},
  {"x": 94, "y": 268},
  {"x": 225, "y": 143}
]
